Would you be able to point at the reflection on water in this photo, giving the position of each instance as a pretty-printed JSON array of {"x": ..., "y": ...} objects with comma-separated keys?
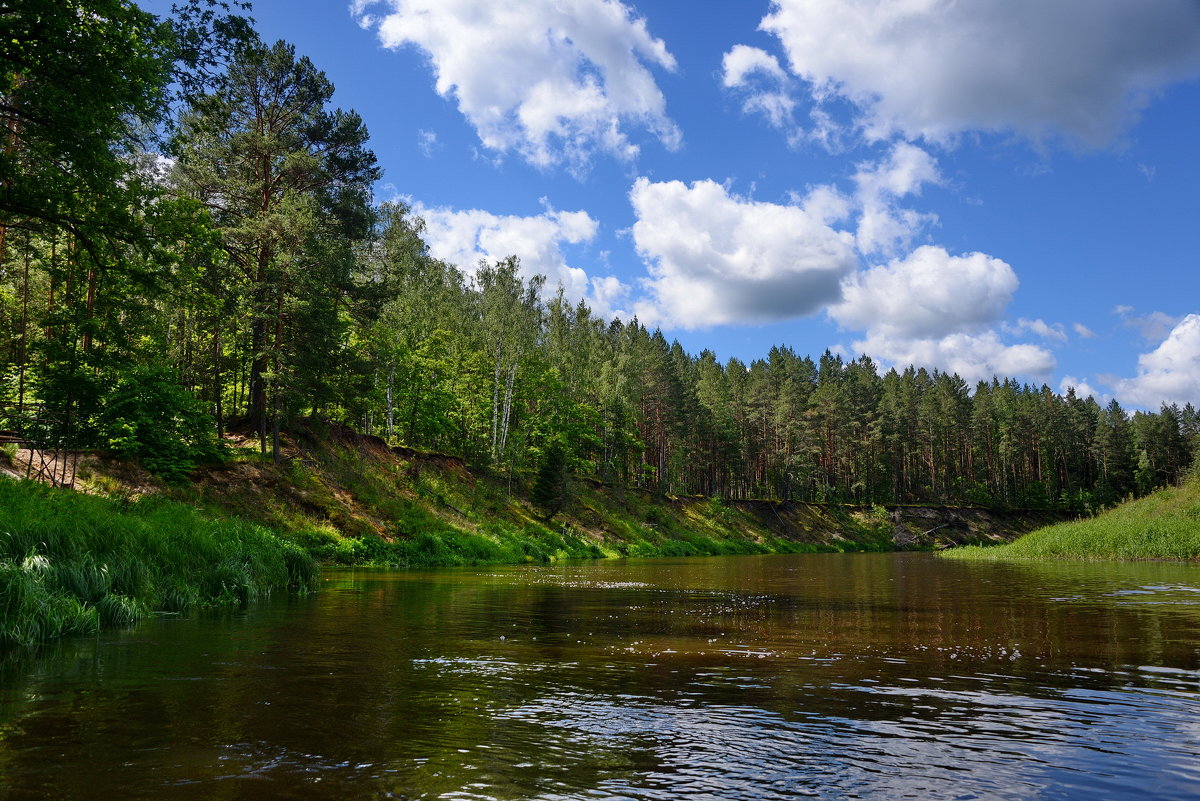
[{"x": 836, "y": 676}]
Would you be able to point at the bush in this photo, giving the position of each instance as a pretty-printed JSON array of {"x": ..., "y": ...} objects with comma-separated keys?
[
  {"x": 149, "y": 417},
  {"x": 717, "y": 509},
  {"x": 550, "y": 489},
  {"x": 33, "y": 611}
]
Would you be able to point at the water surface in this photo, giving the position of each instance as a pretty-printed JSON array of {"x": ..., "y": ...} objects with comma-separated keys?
[{"x": 833, "y": 676}]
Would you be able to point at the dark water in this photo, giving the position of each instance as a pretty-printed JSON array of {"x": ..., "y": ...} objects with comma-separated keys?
[{"x": 833, "y": 676}]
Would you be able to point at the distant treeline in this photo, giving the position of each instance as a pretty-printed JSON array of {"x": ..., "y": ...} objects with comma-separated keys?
[{"x": 188, "y": 238}]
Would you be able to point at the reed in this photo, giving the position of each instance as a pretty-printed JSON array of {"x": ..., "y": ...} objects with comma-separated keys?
[{"x": 70, "y": 563}]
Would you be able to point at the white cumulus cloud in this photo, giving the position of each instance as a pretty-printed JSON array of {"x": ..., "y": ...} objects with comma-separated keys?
[
  {"x": 742, "y": 61},
  {"x": 554, "y": 80},
  {"x": 762, "y": 81},
  {"x": 935, "y": 68},
  {"x": 716, "y": 258},
  {"x": 933, "y": 309},
  {"x": 1153, "y": 326},
  {"x": 1082, "y": 389},
  {"x": 975, "y": 357},
  {"x": 928, "y": 293},
  {"x": 1040, "y": 327},
  {"x": 884, "y": 226},
  {"x": 1170, "y": 373},
  {"x": 464, "y": 237}
]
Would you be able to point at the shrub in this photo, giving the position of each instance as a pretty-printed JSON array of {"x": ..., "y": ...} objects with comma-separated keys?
[{"x": 149, "y": 417}]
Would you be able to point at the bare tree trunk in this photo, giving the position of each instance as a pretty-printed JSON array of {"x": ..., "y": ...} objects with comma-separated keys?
[
  {"x": 391, "y": 408},
  {"x": 218, "y": 408},
  {"x": 496, "y": 401},
  {"x": 90, "y": 305},
  {"x": 508, "y": 397},
  {"x": 48, "y": 332},
  {"x": 275, "y": 428},
  {"x": 12, "y": 133},
  {"x": 276, "y": 355},
  {"x": 257, "y": 409},
  {"x": 24, "y": 358}
]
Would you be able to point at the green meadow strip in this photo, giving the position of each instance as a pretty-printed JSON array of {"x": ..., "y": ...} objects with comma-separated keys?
[{"x": 1163, "y": 525}]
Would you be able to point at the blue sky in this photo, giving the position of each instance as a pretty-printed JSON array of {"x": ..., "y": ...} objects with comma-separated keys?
[{"x": 1002, "y": 186}]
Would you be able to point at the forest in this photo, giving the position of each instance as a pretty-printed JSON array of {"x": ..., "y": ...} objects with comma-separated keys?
[{"x": 190, "y": 245}]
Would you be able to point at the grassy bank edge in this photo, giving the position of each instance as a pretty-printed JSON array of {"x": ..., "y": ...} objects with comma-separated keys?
[
  {"x": 72, "y": 563},
  {"x": 350, "y": 499},
  {"x": 1164, "y": 525},
  {"x": 130, "y": 545}
]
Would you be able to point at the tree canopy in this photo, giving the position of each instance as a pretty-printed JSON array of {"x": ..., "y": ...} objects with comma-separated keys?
[{"x": 188, "y": 235}]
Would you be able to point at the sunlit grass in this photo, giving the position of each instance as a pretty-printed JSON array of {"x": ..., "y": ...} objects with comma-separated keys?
[
  {"x": 357, "y": 503},
  {"x": 71, "y": 563},
  {"x": 1163, "y": 525},
  {"x": 434, "y": 518}
]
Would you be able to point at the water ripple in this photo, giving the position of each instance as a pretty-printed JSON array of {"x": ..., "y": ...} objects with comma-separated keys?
[{"x": 1010, "y": 746}]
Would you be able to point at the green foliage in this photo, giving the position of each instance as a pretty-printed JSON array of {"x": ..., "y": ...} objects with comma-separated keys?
[
  {"x": 1163, "y": 525},
  {"x": 204, "y": 36},
  {"x": 70, "y": 563},
  {"x": 432, "y": 544},
  {"x": 719, "y": 510},
  {"x": 550, "y": 489},
  {"x": 33, "y": 610},
  {"x": 289, "y": 180},
  {"x": 80, "y": 78},
  {"x": 147, "y": 416},
  {"x": 656, "y": 515},
  {"x": 258, "y": 268},
  {"x": 875, "y": 525}
]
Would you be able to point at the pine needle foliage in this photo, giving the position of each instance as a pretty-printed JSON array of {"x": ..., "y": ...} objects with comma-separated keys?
[{"x": 550, "y": 487}]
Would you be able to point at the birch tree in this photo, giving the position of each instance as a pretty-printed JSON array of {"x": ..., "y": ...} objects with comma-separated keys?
[{"x": 511, "y": 317}]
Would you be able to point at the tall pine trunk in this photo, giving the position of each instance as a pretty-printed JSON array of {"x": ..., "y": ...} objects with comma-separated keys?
[{"x": 257, "y": 409}]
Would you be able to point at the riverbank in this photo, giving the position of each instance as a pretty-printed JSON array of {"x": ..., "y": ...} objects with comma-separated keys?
[
  {"x": 71, "y": 563},
  {"x": 126, "y": 545},
  {"x": 347, "y": 498},
  {"x": 1162, "y": 525}
]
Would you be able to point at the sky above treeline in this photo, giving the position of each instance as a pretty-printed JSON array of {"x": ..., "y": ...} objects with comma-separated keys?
[{"x": 999, "y": 187}]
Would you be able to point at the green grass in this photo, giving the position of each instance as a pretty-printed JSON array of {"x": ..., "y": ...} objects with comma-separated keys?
[
  {"x": 493, "y": 525},
  {"x": 422, "y": 540},
  {"x": 72, "y": 563},
  {"x": 1163, "y": 525},
  {"x": 350, "y": 500}
]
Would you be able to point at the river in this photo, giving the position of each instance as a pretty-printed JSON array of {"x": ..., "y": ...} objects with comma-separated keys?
[{"x": 830, "y": 675}]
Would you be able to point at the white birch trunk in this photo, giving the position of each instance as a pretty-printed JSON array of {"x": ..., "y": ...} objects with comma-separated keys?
[
  {"x": 391, "y": 409},
  {"x": 508, "y": 395},
  {"x": 496, "y": 401}
]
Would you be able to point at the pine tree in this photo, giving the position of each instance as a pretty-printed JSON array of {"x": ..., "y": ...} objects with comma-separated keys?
[
  {"x": 550, "y": 487},
  {"x": 288, "y": 184}
]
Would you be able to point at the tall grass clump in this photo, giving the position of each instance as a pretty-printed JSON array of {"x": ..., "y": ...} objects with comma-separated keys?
[
  {"x": 1163, "y": 525},
  {"x": 71, "y": 563},
  {"x": 32, "y": 610}
]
